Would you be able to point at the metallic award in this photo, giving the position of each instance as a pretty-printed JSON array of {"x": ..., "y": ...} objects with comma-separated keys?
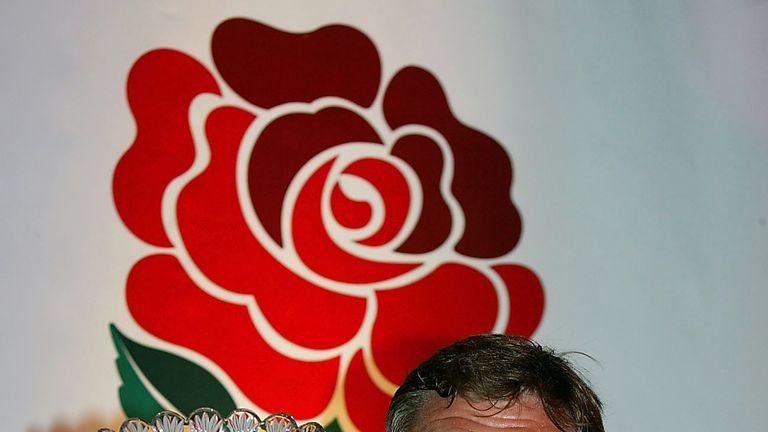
[{"x": 209, "y": 420}]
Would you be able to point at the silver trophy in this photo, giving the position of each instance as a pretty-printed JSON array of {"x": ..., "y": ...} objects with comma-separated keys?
[{"x": 209, "y": 420}]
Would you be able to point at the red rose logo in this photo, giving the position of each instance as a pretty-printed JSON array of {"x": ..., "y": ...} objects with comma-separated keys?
[{"x": 319, "y": 230}]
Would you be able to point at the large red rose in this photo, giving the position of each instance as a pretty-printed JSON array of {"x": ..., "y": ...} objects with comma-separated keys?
[{"x": 317, "y": 236}]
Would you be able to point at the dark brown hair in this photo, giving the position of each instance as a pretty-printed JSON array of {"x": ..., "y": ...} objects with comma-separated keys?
[{"x": 498, "y": 368}]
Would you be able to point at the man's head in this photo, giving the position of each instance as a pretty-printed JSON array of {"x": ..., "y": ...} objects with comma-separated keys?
[{"x": 495, "y": 381}]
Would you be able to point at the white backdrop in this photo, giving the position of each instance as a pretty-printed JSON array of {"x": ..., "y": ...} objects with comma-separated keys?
[{"x": 638, "y": 135}]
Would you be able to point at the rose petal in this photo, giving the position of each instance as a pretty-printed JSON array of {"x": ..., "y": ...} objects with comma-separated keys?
[
  {"x": 451, "y": 303},
  {"x": 286, "y": 145},
  {"x": 526, "y": 298},
  {"x": 392, "y": 187},
  {"x": 269, "y": 67},
  {"x": 161, "y": 86},
  {"x": 482, "y": 169},
  {"x": 366, "y": 403},
  {"x": 318, "y": 250},
  {"x": 166, "y": 303},
  {"x": 348, "y": 212},
  {"x": 434, "y": 224},
  {"x": 223, "y": 247}
]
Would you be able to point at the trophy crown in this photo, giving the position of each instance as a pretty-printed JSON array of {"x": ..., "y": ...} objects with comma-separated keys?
[{"x": 209, "y": 420}]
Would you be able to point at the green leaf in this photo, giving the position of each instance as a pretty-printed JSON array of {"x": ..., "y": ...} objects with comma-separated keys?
[
  {"x": 184, "y": 384},
  {"x": 134, "y": 397},
  {"x": 333, "y": 427}
]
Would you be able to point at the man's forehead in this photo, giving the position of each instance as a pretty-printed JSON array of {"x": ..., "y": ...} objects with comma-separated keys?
[{"x": 526, "y": 414}]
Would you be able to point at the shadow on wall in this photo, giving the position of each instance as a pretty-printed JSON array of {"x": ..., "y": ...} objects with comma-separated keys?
[{"x": 90, "y": 422}]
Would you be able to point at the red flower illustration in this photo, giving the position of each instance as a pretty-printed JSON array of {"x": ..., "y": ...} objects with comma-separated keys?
[{"x": 318, "y": 233}]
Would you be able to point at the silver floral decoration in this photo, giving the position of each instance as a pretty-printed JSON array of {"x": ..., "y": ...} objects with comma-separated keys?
[
  {"x": 135, "y": 425},
  {"x": 168, "y": 421},
  {"x": 209, "y": 420},
  {"x": 205, "y": 420},
  {"x": 243, "y": 420},
  {"x": 280, "y": 423},
  {"x": 311, "y": 427}
]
